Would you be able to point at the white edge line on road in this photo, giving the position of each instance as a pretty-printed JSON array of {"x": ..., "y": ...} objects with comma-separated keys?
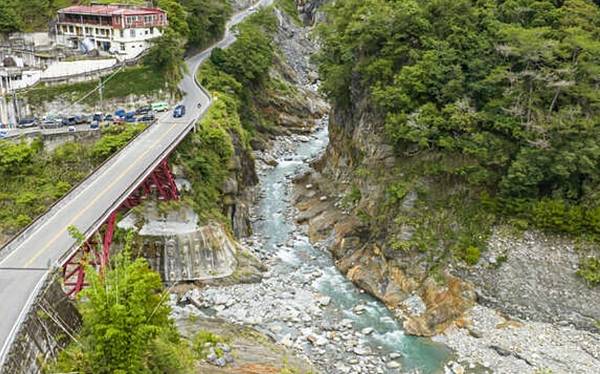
[{"x": 20, "y": 319}]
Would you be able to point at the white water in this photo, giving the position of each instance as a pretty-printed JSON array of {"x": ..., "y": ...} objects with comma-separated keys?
[{"x": 418, "y": 354}]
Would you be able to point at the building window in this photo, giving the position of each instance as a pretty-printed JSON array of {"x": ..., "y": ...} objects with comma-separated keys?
[
  {"x": 146, "y": 32},
  {"x": 132, "y": 33},
  {"x": 122, "y": 34},
  {"x": 122, "y": 46},
  {"x": 152, "y": 30}
]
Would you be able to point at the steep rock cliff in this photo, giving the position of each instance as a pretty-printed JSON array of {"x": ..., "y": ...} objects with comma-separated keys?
[{"x": 363, "y": 199}]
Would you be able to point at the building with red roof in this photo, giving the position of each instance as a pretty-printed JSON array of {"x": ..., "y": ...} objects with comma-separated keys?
[{"x": 124, "y": 30}]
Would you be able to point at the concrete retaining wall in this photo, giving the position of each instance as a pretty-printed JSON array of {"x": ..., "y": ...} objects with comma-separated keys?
[{"x": 45, "y": 331}]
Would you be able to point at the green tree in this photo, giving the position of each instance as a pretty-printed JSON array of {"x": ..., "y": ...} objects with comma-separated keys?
[
  {"x": 9, "y": 19},
  {"x": 126, "y": 326},
  {"x": 177, "y": 17},
  {"x": 251, "y": 56},
  {"x": 166, "y": 56},
  {"x": 14, "y": 157},
  {"x": 206, "y": 20}
]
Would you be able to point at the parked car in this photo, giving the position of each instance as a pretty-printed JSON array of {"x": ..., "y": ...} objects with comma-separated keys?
[
  {"x": 160, "y": 106},
  {"x": 179, "y": 111},
  {"x": 3, "y": 133},
  {"x": 95, "y": 125},
  {"x": 51, "y": 122},
  {"x": 72, "y": 129},
  {"x": 149, "y": 117},
  {"x": 130, "y": 117},
  {"x": 143, "y": 110},
  {"x": 108, "y": 118},
  {"x": 97, "y": 117},
  {"x": 69, "y": 121},
  {"x": 120, "y": 113},
  {"x": 27, "y": 122},
  {"x": 81, "y": 119}
]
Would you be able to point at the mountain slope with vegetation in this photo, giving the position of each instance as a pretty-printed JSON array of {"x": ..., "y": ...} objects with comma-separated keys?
[
  {"x": 460, "y": 185},
  {"x": 499, "y": 95},
  {"x": 460, "y": 131}
]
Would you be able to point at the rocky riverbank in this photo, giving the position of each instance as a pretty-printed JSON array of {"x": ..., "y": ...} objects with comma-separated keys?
[
  {"x": 303, "y": 302},
  {"x": 485, "y": 338}
]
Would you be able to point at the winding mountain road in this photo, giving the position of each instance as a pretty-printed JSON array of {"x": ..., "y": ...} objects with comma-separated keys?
[{"x": 26, "y": 261}]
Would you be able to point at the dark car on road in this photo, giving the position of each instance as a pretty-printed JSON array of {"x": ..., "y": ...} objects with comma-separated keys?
[
  {"x": 27, "y": 122},
  {"x": 149, "y": 117},
  {"x": 143, "y": 110},
  {"x": 69, "y": 121},
  {"x": 81, "y": 119},
  {"x": 108, "y": 118},
  {"x": 179, "y": 111}
]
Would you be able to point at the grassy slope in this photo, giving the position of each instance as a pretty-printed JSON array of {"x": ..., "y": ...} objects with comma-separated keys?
[{"x": 140, "y": 80}]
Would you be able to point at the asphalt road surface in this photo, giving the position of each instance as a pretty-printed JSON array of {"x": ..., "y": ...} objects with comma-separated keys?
[{"x": 26, "y": 261}]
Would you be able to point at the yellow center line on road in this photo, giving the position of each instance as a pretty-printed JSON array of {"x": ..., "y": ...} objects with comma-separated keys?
[{"x": 98, "y": 197}]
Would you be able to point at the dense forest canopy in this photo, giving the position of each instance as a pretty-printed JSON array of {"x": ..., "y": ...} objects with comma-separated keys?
[{"x": 508, "y": 87}]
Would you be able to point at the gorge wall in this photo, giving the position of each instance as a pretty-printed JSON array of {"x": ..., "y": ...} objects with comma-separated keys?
[
  {"x": 191, "y": 242},
  {"x": 360, "y": 201}
]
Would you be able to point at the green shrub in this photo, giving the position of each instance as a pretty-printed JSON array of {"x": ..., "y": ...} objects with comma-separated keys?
[
  {"x": 471, "y": 255},
  {"x": 290, "y": 8},
  {"x": 352, "y": 197},
  {"x": 115, "y": 139},
  {"x": 396, "y": 192},
  {"x": 204, "y": 340},
  {"x": 589, "y": 269}
]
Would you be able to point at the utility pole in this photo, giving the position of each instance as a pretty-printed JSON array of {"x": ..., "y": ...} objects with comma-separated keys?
[
  {"x": 101, "y": 94},
  {"x": 16, "y": 108}
]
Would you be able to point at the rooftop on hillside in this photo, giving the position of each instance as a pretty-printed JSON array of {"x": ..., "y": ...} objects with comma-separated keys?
[{"x": 110, "y": 10}]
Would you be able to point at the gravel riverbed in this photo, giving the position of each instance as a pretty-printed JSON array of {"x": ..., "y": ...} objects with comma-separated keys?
[{"x": 303, "y": 302}]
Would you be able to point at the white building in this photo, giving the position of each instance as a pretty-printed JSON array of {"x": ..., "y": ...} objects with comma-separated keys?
[{"x": 123, "y": 30}]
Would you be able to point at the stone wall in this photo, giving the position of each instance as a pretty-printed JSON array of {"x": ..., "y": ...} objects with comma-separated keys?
[{"x": 46, "y": 329}]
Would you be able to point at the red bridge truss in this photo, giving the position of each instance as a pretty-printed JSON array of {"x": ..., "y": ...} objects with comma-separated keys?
[{"x": 96, "y": 250}]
